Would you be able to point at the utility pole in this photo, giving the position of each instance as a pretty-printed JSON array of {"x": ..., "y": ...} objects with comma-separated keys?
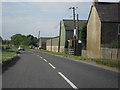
[
  {"x": 74, "y": 24},
  {"x": 77, "y": 34},
  {"x": 39, "y": 35},
  {"x": 38, "y": 38},
  {"x": 77, "y": 27}
]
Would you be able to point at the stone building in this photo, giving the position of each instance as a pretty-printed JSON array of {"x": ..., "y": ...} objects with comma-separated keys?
[{"x": 103, "y": 30}]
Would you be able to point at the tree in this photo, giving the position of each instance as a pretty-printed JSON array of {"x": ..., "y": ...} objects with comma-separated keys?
[
  {"x": 83, "y": 35},
  {"x": 22, "y": 40}
]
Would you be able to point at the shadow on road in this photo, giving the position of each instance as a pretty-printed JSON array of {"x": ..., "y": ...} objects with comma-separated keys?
[{"x": 9, "y": 64}]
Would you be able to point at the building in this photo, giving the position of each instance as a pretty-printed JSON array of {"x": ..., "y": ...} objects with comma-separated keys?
[
  {"x": 0, "y": 43},
  {"x": 103, "y": 30},
  {"x": 42, "y": 42},
  {"x": 67, "y": 32},
  {"x": 0, "y": 40},
  {"x": 52, "y": 44}
]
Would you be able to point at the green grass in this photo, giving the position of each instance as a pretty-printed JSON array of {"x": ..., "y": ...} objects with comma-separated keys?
[
  {"x": 106, "y": 62},
  {"x": 8, "y": 54}
]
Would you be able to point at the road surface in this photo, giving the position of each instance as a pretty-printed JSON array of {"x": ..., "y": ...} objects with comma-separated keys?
[{"x": 35, "y": 69}]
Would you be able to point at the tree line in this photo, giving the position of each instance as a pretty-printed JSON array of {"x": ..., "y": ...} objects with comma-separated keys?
[{"x": 22, "y": 40}]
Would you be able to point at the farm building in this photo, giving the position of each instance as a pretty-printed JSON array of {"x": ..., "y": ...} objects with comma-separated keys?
[
  {"x": 52, "y": 44},
  {"x": 42, "y": 42},
  {"x": 67, "y": 32},
  {"x": 103, "y": 30}
]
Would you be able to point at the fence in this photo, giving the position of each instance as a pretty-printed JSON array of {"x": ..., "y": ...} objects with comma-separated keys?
[
  {"x": 110, "y": 53},
  {"x": 107, "y": 53}
]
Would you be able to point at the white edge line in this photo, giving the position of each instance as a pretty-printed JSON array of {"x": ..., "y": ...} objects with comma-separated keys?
[
  {"x": 68, "y": 81},
  {"x": 51, "y": 65}
]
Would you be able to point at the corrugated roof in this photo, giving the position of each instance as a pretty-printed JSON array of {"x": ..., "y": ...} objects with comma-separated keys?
[
  {"x": 108, "y": 12},
  {"x": 70, "y": 26}
]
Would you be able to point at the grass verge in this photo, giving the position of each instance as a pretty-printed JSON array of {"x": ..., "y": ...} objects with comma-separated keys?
[
  {"x": 106, "y": 62},
  {"x": 8, "y": 54}
]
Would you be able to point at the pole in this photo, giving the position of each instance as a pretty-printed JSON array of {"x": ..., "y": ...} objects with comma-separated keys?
[
  {"x": 74, "y": 24},
  {"x": 38, "y": 34},
  {"x": 74, "y": 30},
  {"x": 39, "y": 38},
  {"x": 74, "y": 17},
  {"x": 77, "y": 27},
  {"x": 77, "y": 35}
]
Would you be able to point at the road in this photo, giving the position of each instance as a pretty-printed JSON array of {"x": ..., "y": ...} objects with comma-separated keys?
[{"x": 36, "y": 69}]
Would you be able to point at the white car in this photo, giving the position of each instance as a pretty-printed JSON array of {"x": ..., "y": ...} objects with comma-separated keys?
[{"x": 21, "y": 48}]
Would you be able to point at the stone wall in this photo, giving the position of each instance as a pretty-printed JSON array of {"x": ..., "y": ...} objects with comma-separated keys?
[{"x": 93, "y": 35}]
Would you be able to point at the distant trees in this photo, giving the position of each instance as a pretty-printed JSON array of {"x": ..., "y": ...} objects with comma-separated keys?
[
  {"x": 5, "y": 42},
  {"x": 83, "y": 35},
  {"x": 22, "y": 40}
]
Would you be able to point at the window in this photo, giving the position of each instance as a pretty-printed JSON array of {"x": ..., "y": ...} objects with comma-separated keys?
[{"x": 118, "y": 29}]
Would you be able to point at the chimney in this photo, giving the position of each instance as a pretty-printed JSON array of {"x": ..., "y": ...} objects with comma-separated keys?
[{"x": 94, "y": 2}]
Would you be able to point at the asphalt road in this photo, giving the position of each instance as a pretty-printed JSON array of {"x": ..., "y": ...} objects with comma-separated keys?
[{"x": 37, "y": 69}]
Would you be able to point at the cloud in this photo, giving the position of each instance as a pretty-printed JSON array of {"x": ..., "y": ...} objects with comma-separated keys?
[
  {"x": 57, "y": 0},
  {"x": 29, "y": 18},
  {"x": 46, "y": 0},
  {"x": 0, "y": 19}
]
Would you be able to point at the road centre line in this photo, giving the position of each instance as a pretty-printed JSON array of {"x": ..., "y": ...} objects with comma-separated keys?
[
  {"x": 67, "y": 80},
  {"x": 51, "y": 65},
  {"x": 40, "y": 57},
  {"x": 45, "y": 60}
]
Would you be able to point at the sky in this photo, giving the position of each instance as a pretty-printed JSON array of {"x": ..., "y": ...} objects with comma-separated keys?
[{"x": 32, "y": 17}]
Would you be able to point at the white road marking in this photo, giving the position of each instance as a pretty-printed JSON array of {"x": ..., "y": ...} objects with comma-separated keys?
[
  {"x": 68, "y": 81},
  {"x": 37, "y": 55},
  {"x": 40, "y": 57},
  {"x": 45, "y": 60},
  {"x": 51, "y": 65}
]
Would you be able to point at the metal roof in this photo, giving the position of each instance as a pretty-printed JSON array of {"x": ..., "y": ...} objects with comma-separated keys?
[
  {"x": 70, "y": 26},
  {"x": 108, "y": 12}
]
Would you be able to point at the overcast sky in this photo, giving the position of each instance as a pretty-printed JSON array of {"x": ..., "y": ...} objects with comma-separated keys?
[{"x": 30, "y": 17}]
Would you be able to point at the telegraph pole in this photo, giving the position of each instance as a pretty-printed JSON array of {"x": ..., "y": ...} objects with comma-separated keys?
[
  {"x": 77, "y": 35},
  {"x": 39, "y": 35},
  {"x": 74, "y": 23},
  {"x": 38, "y": 38},
  {"x": 77, "y": 26}
]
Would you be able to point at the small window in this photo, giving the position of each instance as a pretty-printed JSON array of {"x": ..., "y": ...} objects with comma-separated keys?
[{"x": 118, "y": 29}]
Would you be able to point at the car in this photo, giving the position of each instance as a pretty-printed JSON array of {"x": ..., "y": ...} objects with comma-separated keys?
[{"x": 21, "y": 48}]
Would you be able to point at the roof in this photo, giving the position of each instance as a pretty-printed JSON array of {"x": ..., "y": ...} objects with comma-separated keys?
[
  {"x": 53, "y": 37},
  {"x": 70, "y": 26},
  {"x": 45, "y": 37},
  {"x": 108, "y": 11}
]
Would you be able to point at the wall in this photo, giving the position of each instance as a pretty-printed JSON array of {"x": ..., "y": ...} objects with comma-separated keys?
[
  {"x": 93, "y": 35},
  {"x": 49, "y": 44},
  {"x": 69, "y": 36},
  {"x": 42, "y": 42},
  {"x": 109, "y": 35},
  {"x": 110, "y": 53},
  {"x": 62, "y": 36},
  {"x": 52, "y": 44}
]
